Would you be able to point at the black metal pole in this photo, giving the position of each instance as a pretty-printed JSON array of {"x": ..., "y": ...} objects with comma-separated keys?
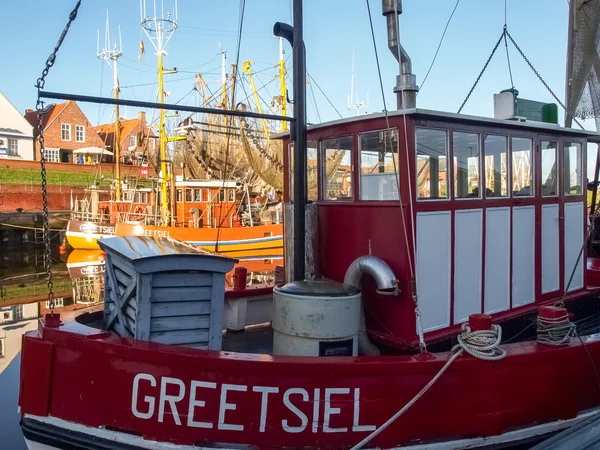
[
  {"x": 154, "y": 105},
  {"x": 299, "y": 56}
]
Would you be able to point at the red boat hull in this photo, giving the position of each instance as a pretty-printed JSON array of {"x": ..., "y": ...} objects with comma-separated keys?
[{"x": 194, "y": 397}]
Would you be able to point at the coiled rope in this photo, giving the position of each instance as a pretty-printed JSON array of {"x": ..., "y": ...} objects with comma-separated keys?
[
  {"x": 482, "y": 344},
  {"x": 555, "y": 331}
]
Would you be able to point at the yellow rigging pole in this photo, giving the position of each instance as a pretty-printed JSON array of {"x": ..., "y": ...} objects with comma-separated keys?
[
  {"x": 284, "y": 124},
  {"x": 248, "y": 69}
]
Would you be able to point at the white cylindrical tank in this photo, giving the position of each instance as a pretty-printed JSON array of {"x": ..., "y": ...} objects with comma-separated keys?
[{"x": 316, "y": 317}]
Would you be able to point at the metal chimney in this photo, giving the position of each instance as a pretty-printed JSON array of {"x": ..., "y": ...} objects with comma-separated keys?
[{"x": 406, "y": 83}]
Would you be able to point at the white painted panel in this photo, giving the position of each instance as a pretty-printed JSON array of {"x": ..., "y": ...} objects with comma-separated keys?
[
  {"x": 468, "y": 247},
  {"x": 550, "y": 249},
  {"x": 497, "y": 260},
  {"x": 433, "y": 269},
  {"x": 573, "y": 244},
  {"x": 523, "y": 256}
]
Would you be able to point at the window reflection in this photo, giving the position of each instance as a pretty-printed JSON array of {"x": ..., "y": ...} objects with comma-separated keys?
[
  {"x": 312, "y": 172},
  {"x": 522, "y": 167},
  {"x": 572, "y": 164},
  {"x": 336, "y": 168},
  {"x": 379, "y": 165},
  {"x": 432, "y": 157},
  {"x": 466, "y": 165},
  {"x": 496, "y": 167},
  {"x": 549, "y": 172}
]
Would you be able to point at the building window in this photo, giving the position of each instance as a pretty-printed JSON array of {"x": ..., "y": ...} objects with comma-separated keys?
[
  {"x": 432, "y": 164},
  {"x": 189, "y": 195},
  {"x": 58, "y": 302},
  {"x": 65, "y": 132},
  {"x": 573, "y": 176},
  {"x": 232, "y": 195},
  {"x": 79, "y": 133},
  {"x": 133, "y": 141},
  {"x": 153, "y": 143},
  {"x": 549, "y": 172},
  {"x": 13, "y": 147},
  {"x": 496, "y": 167},
  {"x": 179, "y": 195},
  {"x": 17, "y": 312},
  {"x": 52, "y": 154},
  {"x": 336, "y": 168},
  {"x": 378, "y": 165},
  {"x": 522, "y": 167}
]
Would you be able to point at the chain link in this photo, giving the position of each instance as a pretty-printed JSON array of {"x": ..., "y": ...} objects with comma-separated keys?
[
  {"x": 41, "y": 81},
  {"x": 482, "y": 70},
  {"x": 539, "y": 76}
]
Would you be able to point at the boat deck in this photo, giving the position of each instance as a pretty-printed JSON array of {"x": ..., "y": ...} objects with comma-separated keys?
[{"x": 256, "y": 339}]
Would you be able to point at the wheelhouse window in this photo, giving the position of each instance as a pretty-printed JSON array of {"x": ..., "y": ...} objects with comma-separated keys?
[
  {"x": 466, "y": 151},
  {"x": 432, "y": 164},
  {"x": 549, "y": 169},
  {"x": 312, "y": 172},
  {"x": 221, "y": 195},
  {"x": 65, "y": 131},
  {"x": 378, "y": 165},
  {"x": 522, "y": 167},
  {"x": 179, "y": 195},
  {"x": 336, "y": 168},
  {"x": 496, "y": 166},
  {"x": 572, "y": 163},
  {"x": 189, "y": 195},
  {"x": 197, "y": 195},
  {"x": 232, "y": 195}
]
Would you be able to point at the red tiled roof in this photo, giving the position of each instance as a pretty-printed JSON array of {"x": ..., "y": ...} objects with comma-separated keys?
[
  {"x": 48, "y": 116},
  {"x": 107, "y": 130}
]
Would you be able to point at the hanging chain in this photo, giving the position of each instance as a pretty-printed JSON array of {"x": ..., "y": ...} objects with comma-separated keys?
[
  {"x": 482, "y": 70},
  {"x": 539, "y": 76},
  {"x": 40, "y": 128}
]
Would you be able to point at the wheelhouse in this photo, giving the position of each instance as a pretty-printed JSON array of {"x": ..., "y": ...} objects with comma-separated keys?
[
  {"x": 489, "y": 216},
  {"x": 206, "y": 203}
]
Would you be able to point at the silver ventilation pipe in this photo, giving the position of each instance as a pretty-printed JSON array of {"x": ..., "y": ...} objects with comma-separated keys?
[
  {"x": 387, "y": 284},
  {"x": 406, "y": 83}
]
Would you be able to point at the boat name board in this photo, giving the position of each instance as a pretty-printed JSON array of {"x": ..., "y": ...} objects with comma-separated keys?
[
  {"x": 140, "y": 231},
  {"x": 169, "y": 397},
  {"x": 93, "y": 228}
]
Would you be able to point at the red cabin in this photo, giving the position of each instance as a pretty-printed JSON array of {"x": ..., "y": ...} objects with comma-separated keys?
[{"x": 496, "y": 210}]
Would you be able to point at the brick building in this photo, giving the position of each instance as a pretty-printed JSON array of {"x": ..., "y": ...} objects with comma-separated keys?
[
  {"x": 137, "y": 141},
  {"x": 66, "y": 129}
]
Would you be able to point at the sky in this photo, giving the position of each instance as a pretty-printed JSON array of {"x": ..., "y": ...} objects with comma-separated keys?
[{"x": 334, "y": 30}]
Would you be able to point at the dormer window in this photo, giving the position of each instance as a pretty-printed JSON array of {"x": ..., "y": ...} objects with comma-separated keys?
[{"x": 65, "y": 132}]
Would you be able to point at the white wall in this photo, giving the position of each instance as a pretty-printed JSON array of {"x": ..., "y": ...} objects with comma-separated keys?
[{"x": 12, "y": 119}]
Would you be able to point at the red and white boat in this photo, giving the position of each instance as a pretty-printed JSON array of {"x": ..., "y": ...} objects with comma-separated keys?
[{"x": 488, "y": 223}]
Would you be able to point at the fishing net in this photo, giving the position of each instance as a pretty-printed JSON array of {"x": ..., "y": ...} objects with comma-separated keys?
[{"x": 583, "y": 77}]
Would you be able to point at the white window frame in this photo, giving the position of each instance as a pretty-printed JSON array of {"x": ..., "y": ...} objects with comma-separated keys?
[
  {"x": 395, "y": 151},
  {"x": 13, "y": 151},
  {"x": 65, "y": 127},
  {"x": 133, "y": 141},
  {"x": 52, "y": 154},
  {"x": 79, "y": 128},
  {"x": 2, "y": 348}
]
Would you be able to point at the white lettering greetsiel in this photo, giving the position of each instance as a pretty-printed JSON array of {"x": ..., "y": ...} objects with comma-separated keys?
[{"x": 147, "y": 407}]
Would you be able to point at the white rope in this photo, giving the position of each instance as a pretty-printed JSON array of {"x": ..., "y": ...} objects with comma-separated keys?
[
  {"x": 555, "y": 331},
  {"x": 482, "y": 344}
]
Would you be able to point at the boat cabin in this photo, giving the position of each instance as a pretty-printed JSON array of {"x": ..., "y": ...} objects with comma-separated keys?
[
  {"x": 489, "y": 217},
  {"x": 206, "y": 203}
]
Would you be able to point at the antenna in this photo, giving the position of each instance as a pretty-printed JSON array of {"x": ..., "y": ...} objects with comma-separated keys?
[
  {"x": 159, "y": 29},
  {"x": 358, "y": 105}
]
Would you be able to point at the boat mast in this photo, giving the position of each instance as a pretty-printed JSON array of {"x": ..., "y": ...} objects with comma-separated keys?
[
  {"x": 248, "y": 70},
  {"x": 284, "y": 124},
  {"x": 159, "y": 31},
  {"x": 110, "y": 54}
]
